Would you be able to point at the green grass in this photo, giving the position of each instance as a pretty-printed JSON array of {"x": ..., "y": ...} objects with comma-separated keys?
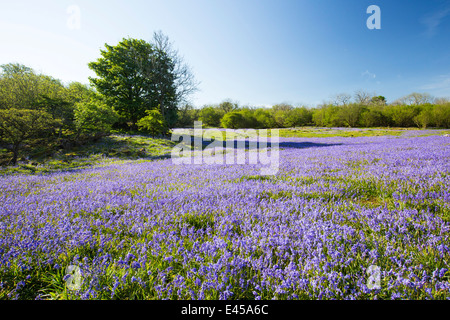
[
  {"x": 317, "y": 132},
  {"x": 115, "y": 148},
  {"x": 312, "y": 132}
]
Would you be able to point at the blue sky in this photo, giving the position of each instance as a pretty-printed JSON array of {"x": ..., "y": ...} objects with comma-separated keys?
[{"x": 253, "y": 52}]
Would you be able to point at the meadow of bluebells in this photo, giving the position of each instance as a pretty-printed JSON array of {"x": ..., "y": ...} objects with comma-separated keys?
[{"x": 155, "y": 230}]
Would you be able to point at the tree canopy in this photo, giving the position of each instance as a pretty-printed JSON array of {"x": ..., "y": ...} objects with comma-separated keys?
[{"x": 135, "y": 76}]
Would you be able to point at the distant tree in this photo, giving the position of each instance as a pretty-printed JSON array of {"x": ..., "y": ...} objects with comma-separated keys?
[
  {"x": 211, "y": 116},
  {"x": 425, "y": 117},
  {"x": 54, "y": 98},
  {"x": 401, "y": 115},
  {"x": 442, "y": 100},
  {"x": 280, "y": 112},
  {"x": 264, "y": 119},
  {"x": 349, "y": 115},
  {"x": 22, "y": 88},
  {"x": 298, "y": 117},
  {"x": 249, "y": 120},
  {"x": 415, "y": 98},
  {"x": 372, "y": 117},
  {"x": 441, "y": 115},
  {"x": 18, "y": 126},
  {"x": 362, "y": 97},
  {"x": 378, "y": 100},
  {"x": 228, "y": 106},
  {"x": 154, "y": 123},
  {"x": 341, "y": 99},
  {"x": 421, "y": 98},
  {"x": 233, "y": 120},
  {"x": 327, "y": 116},
  {"x": 282, "y": 107},
  {"x": 318, "y": 117},
  {"x": 187, "y": 114}
]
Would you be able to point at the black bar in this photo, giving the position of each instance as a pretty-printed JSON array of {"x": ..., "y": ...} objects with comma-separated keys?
[{"x": 207, "y": 309}]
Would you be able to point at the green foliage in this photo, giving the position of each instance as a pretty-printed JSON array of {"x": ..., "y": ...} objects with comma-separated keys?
[
  {"x": 378, "y": 100},
  {"x": 327, "y": 116},
  {"x": 374, "y": 113},
  {"x": 249, "y": 120},
  {"x": 134, "y": 77},
  {"x": 78, "y": 92},
  {"x": 425, "y": 117},
  {"x": 373, "y": 117},
  {"x": 94, "y": 116},
  {"x": 349, "y": 115},
  {"x": 264, "y": 119},
  {"x": 233, "y": 120},
  {"x": 211, "y": 116},
  {"x": 187, "y": 115},
  {"x": 19, "y": 125},
  {"x": 228, "y": 106},
  {"x": 20, "y": 87},
  {"x": 441, "y": 115},
  {"x": 153, "y": 123},
  {"x": 401, "y": 115},
  {"x": 279, "y": 114},
  {"x": 298, "y": 117}
]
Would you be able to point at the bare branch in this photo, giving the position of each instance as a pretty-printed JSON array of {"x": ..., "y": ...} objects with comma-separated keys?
[
  {"x": 184, "y": 80},
  {"x": 362, "y": 97}
]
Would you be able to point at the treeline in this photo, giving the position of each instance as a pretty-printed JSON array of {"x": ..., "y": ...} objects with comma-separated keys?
[{"x": 373, "y": 112}]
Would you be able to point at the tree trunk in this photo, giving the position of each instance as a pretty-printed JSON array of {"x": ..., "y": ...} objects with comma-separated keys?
[{"x": 15, "y": 154}]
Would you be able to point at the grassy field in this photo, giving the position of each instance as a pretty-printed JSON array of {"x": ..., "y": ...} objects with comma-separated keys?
[{"x": 115, "y": 148}]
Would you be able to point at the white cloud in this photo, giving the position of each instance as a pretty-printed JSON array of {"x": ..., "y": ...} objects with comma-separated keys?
[{"x": 368, "y": 75}]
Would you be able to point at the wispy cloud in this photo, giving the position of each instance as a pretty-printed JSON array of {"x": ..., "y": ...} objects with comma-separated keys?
[
  {"x": 433, "y": 20},
  {"x": 368, "y": 75},
  {"x": 440, "y": 85}
]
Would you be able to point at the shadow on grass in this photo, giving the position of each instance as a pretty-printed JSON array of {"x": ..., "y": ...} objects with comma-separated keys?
[{"x": 245, "y": 144}]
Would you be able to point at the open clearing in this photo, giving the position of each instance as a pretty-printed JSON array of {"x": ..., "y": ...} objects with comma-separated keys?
[{"x": 148, "y": 229}]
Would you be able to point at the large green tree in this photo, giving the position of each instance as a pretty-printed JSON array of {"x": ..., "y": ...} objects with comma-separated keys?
[{"x": 135, "y": 76}]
